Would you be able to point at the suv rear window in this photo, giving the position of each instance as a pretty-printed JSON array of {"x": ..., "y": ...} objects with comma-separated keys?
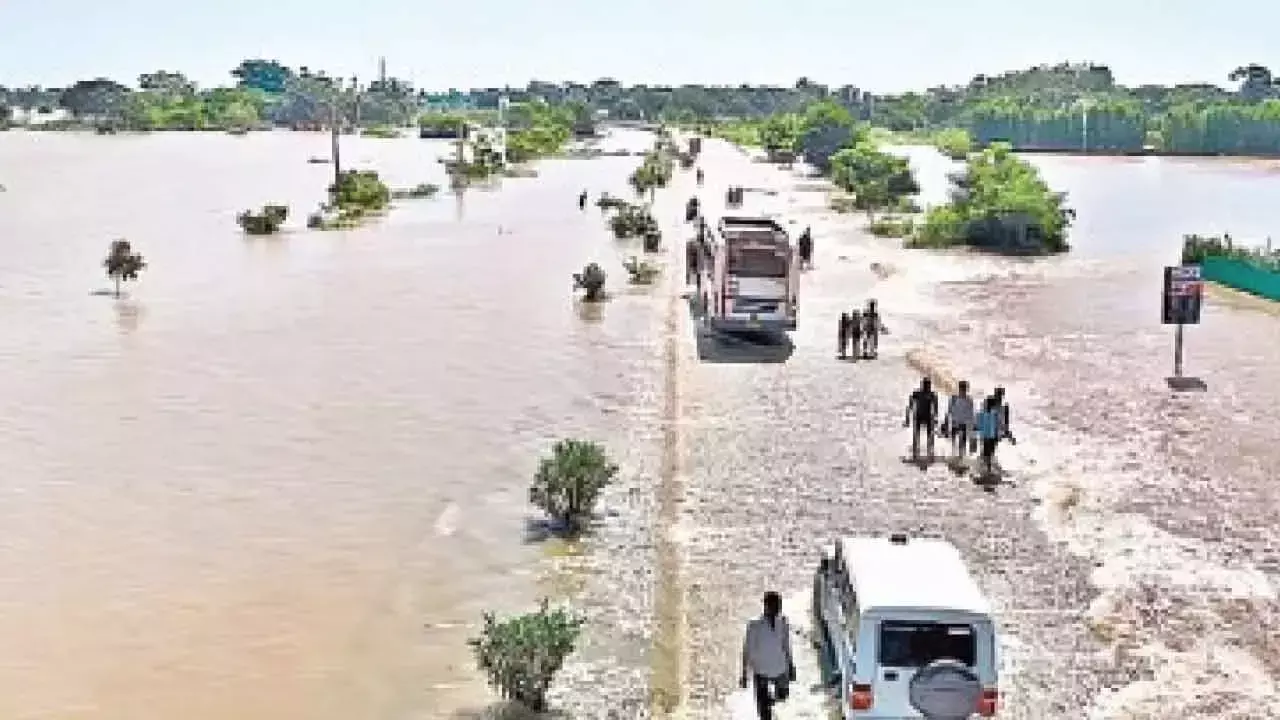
[
  {"x": 916, "y": 644},
  {"x": 755, "y": 262}
]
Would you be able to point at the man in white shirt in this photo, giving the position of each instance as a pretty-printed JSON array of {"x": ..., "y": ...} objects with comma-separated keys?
[{"x": 766, "y": 656}]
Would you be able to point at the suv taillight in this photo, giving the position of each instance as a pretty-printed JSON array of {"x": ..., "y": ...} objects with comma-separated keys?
[
  {"x": 860, "y": 697},
  {"x": 989, "y": 703}
]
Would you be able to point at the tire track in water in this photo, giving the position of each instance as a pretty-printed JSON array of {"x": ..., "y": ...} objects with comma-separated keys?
[{"x": 670, "y": 617}]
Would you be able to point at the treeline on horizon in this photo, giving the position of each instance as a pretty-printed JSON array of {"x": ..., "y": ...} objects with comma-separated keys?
[{"x": 1065, "y": 107}]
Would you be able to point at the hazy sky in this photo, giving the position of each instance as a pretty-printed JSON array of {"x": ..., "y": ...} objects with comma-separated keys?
[{"x": 880, "y": 46}]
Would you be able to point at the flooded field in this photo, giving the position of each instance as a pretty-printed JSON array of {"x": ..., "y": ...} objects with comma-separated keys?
[
  {"x": 285, "y": 478},
  {"x": 287, "y": 475}
]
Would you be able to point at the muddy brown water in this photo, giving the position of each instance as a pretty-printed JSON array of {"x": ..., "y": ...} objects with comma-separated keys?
[
  {"x": 283, "y": 478},
  {"x": 286, "y": 475}
]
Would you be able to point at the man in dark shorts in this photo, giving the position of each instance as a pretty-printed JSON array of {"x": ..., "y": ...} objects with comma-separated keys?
[
  {"x": 1006, "y": 433},
  {"x": 766, "y": 657},
  {"x": 922, "y": 416}
]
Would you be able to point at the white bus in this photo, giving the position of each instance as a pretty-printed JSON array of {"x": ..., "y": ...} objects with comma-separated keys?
[{"x": 748, "y": 276}]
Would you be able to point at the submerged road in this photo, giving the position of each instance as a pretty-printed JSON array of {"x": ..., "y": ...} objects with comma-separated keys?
[{"x": 789, "y": 448}]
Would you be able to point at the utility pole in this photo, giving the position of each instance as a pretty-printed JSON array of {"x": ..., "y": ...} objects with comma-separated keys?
[
  {"x": 335, "y": 155},
  {"x": 335, "y": 124},
  {"x": 1084, "y": 132},
  {"x": 355, "y": 91}
]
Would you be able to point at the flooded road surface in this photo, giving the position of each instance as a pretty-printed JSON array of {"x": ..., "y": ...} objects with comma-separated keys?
[
  {"x": 244, "y": 491},
  {"x": 1128, "y": 551}
]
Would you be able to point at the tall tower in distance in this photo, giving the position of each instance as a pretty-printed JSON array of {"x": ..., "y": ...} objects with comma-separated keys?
[{"x": 382, "y": 69}]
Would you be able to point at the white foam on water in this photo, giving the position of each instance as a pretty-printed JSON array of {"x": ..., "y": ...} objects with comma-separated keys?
[
  {"x": 447, "y": 522},
  {"x": 1138, "y": 566},
  {"x": 1211, "y": 682}
]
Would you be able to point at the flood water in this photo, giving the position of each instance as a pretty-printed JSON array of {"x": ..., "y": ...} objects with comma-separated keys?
[
  {"x": 286, "y": 475},
  {"x": 245, "y": 490}
]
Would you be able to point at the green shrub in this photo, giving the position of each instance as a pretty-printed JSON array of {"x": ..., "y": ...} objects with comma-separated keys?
[
  {"x": 641, "y": 272},
  {"x": 892, "y": 227},
  {"x": 520, "y": 656},
  {"x": 568, "y": 483},
  {"x": 269, "y": 220}
]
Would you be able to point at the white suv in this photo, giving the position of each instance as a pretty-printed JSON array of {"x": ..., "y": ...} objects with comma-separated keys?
[{"x": 905, "y": 631}]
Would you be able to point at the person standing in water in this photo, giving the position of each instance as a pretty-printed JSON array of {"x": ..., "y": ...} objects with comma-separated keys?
[
  {"x": 692, "y": 251},
  {"x": 922, "y": 416},
  {"x": 766, "y": 657},
  {"x": 842, "y": 343},
  {"x": 872, "y": 329},
  {"x": 855, "y": 333},
  {"x": 989, "y": 428},
  {"x": 805, "y": 246},
  {"x": 582, "y": 200},
  {"x": 1006, "y": 433},
  {"x": 960, "y": 421},
  {"x": 700, "y": 177}
]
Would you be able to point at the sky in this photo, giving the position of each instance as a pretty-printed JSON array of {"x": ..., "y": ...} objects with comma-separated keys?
[{"x": 879, "y": 46}]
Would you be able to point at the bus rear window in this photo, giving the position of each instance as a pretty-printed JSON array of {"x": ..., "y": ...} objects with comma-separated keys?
[
  {"x": 757, "y": 263},
  {"x": 915, "y": 645}
]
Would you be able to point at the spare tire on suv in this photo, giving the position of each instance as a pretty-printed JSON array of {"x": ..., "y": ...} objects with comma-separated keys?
[{"x": 945, "y": 690}]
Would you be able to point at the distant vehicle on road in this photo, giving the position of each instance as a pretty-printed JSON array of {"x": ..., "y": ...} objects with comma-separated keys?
[
  {"x": 906, "y": 630},
  {"x": 748, "y": 276}
]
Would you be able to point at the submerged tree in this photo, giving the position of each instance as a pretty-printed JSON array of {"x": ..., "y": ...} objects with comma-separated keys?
[
  {"x": 591, "y": 281},
  {"x": 123, "y": 264},
  {"x": 878, "y": 179},
  {"x": 521, "y": 655},
  {"x": 569, "y": 482}
]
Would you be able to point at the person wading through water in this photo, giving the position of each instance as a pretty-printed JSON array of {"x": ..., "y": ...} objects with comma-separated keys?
[
  {"x": 959, "y": 421},
  {"x": 989, "y": 427},
  {"x": 692, "y": 250},
  {"x": 766, "y": 657},
  {"x": 855, "y": 334},
  {"x": 582, "y": 200},
  {"x": 842, "y": 346},
  {"x": 700, "y": 176},
  {"x": 922, "y": 416},
  {"x": 805, "y": 245},
  {"x": 1005, "y": 432},
  {"x": 872, "y": 327}
]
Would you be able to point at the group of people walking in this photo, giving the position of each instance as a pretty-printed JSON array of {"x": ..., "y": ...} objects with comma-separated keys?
[
  {"x": 969, "y": 428},
  {"x": 859, "y": 333}
]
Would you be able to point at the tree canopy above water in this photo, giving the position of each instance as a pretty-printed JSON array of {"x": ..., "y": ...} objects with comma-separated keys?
[{"x": 1064, "y": 106}]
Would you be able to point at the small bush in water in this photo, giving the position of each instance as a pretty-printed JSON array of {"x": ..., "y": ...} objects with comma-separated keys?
[
  {"x": 520, "y": 656},
  {"x": 266, "y": 222},
  {"x": 568, "y": 483},
  {"x": 591, "y": 280}
]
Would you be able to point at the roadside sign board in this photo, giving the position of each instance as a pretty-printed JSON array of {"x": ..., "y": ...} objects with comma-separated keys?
[{"x": 1182, "y": 295}]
